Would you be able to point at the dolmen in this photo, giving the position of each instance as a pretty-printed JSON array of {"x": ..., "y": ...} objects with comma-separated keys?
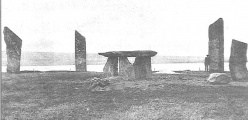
[{"x": 140, "y": 69}]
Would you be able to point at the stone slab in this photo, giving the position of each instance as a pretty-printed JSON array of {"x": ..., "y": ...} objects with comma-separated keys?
[
  {"x": 126, "y": 69},
  {"x": 111, "y": 66},
  {"x": 138, "y": 53},
  {"x": 142, "y": 67}
]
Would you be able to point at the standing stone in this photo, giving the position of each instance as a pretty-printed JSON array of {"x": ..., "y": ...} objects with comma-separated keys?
[
  {"x": 142, "y": 67},
  {"x": 126, "y": 69},
  {"x": 216, "y": 46},
  {"x": 13, "y": 50},
  {"x": 237, "y": 61},
  {"x": 80, "y": 52},
  {"x": 111, "y": 66}
]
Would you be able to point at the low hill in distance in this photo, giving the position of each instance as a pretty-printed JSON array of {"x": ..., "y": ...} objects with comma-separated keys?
[{"x": 53, "y": 59}]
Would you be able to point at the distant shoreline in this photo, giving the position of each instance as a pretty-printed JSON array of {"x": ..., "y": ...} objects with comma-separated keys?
[
  {"x": 57, "y": 59},
  {"x": 162, "y": 68},
  {"x": 5, "y": 64}
]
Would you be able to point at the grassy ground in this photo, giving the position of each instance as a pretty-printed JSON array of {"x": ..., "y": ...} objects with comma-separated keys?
[{"x": 66, "y": 96}]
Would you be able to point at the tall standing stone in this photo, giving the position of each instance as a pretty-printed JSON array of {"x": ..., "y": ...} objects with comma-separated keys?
[
  {"x": 80, "y": 52},
  {"x": 216, "y": 46},
  {"x": 237, "y": 61},
  {"x": 13, "y": 50}
]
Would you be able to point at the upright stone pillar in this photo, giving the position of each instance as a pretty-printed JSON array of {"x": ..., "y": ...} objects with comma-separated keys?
[
  {"x": 142, "y": 67},
  {"x": 126, "y": 69},
  {"x": 111, "y": 66},
  {"x": 80, "y": 52},
  {"x": 13, "y": 50},
  {"x": 216, "y": 46},
  {"x": 237, "y": 61}
]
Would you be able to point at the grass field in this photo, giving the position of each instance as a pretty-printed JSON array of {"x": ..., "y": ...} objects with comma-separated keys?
[{"x": 66, "y": 96}]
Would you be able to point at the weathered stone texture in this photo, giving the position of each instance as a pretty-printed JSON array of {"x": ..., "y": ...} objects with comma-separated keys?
[
  {"x": 126, "y": 69},
  {"x": 111, "y": 66},
  {"x": 80, "y": 52},
  {"x": 138, "y": 53},
  {"x": 218, "y": 78},
  {"x": 216, "y": 46},
  {"x": 142, "y": 67},
  {"x": 13, "y": 50},
  {"x": 237, "y": 61}
]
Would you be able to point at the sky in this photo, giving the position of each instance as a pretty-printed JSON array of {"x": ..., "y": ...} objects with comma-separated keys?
[{"x": 170, "y": 27}]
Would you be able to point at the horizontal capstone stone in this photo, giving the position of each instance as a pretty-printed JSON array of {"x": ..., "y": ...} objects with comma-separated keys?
[{"x": 138, "y": 53}]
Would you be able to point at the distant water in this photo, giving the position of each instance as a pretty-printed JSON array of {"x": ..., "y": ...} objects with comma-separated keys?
[
  {"x": 162, "y": 68},
  {"x": 169, "y": 68}
]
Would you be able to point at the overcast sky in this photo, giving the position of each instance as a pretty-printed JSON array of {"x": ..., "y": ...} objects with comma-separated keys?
[{"x": 170, "y": 27}]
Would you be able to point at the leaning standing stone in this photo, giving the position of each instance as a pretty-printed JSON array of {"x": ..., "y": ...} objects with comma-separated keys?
[
  {"x": 237, "y": 61},
  {"x": 80, "y": 52},
  {"x": 216, "y": 46},
  {"x": 13, "y": 50}
]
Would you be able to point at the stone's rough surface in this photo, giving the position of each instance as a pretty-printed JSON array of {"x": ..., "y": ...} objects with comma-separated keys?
[
  {"x": 126, "y": 69},
  {"x": 237, "y": 61},
  {"x": 141, "y": 53},
  {"x": 80, "y": 52},
  {"x": 219, "y": 78},
  {"x": 111, "y": 66},
  {"x": 13, "y": 50},
  {"x": 99, "y": 84},
  {"x": 216, "y": 46},
  {"x": 142, "y": 67}
]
